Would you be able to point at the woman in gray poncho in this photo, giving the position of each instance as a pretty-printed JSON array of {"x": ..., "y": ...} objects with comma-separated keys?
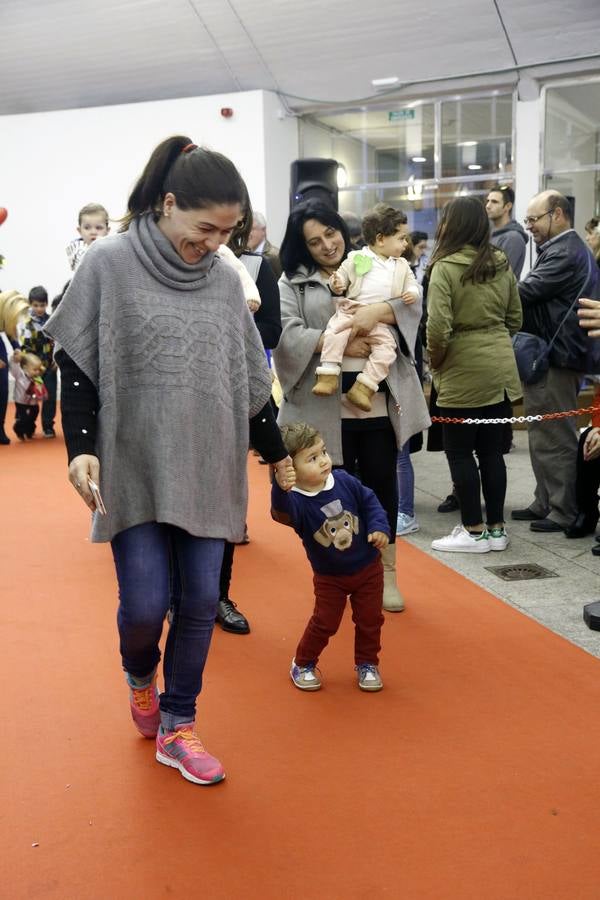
[{"x": 162, "y": 371}]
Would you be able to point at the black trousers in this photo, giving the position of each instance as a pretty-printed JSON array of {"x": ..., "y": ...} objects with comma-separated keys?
[
  {"x": 226, "y": 570},
  {"x": 486, "y": 442},
  {"x": 25, "y": 419},
  {"x": 370, "y": 454},
  {"x": 3, "y": 384},
  {"x": 49, "y": 405},
  {"x": 587, "y": 481}
]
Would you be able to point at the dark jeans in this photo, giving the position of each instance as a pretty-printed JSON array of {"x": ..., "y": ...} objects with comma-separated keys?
[
  {"x": 25, "y": 419},
  {"x": 366, "y": 591},
  {"x": 486, "y": 441},
  {"x": 370, "y": 454},
  {"x": 159, "y": 566},
  {"x": 49, "y": 405}
]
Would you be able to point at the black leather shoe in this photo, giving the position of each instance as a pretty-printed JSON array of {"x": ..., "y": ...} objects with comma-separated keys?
[
  {"x": 545, "y": 526},
  {"x": 596, "y": 550},
  {"x": 450, "y": 504},
  {"x": 525, "y": 515},
  {"x": 582, "y": 526},
  {"x": 230, "y": 619}
]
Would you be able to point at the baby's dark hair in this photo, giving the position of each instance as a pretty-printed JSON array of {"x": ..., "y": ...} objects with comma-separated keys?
[
  {"x": 382, "y": 219},
  {"x": 298, "y": 436},
  {"x": 38, "y": 293}
]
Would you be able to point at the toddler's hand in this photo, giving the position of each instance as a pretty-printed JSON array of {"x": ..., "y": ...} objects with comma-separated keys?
[
  {"x": 285, "y": 474},
  {"x": 253, "y": 305},
  {"x": 379, "y": 539},
  {"x": 336, "y": 283},
  {"x": 2, "y": 364},
  {"x": 408, "y": 297}
]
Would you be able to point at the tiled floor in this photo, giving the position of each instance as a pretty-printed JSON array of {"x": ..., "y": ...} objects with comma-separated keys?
[{"x": 555, "y": 602}]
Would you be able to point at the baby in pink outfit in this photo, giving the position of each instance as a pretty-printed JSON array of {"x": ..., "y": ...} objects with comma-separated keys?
[{"x": 371, "y": 275}]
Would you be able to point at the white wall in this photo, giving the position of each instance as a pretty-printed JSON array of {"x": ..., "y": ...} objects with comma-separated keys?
[{"x": 54, "y": 163}]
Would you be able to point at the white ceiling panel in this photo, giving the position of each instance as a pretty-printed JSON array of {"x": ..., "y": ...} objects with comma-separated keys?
[{"x": 59, "y": 54}]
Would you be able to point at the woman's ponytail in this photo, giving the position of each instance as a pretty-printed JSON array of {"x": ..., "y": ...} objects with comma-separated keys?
[{"x": 148, "y": 190}]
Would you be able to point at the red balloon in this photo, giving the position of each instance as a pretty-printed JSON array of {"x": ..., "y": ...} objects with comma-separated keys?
[{"x": 3, "y": 214}]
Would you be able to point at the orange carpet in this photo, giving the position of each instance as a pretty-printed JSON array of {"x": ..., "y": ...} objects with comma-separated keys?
[{"x": 472, "y": 775}]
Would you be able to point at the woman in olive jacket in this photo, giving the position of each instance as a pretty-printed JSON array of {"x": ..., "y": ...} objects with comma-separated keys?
[{"x": 473, "y": 310}]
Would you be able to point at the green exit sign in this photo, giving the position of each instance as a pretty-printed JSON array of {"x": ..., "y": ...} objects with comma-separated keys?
[{"x": 400, "y": 115}]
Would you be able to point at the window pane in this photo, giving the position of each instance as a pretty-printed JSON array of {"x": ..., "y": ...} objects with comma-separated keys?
[
  {"x": 477, "y": 136},
  {"x": 387, "y": 143},
  {"x": 572, "y": 131}
]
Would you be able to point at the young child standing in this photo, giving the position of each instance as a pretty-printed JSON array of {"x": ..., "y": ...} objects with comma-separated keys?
[
  {"x": 343, "y": 527},
  {"x": 27, "y": 370},
  {"x": 92, "y": 223},
  {"x": 33, "y": 340},
  {"x": 376, "y": 272}
]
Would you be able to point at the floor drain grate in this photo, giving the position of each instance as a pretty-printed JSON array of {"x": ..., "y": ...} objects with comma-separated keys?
[{"x": 521, "y": 572}]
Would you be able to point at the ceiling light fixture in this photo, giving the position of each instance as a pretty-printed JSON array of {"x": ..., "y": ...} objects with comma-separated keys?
[
  {"x": 467, "y": 144},
  {"x": 474, "y": 167},
  {"x": 385, "y": 82},
  {"x": 419, "y": 159}
]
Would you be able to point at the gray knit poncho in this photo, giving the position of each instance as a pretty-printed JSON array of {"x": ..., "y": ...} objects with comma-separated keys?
[{"x": 179, "y": 367}]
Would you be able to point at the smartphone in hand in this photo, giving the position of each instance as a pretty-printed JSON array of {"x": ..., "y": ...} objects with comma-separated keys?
[{"x": 97, "y": 497}]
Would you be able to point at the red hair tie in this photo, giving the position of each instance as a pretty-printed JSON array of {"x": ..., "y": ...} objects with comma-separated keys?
[{"x": 189, "y": 147}]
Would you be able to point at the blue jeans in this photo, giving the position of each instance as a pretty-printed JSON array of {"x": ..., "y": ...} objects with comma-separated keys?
[
  {"x": 406, "y": 481},
  {"x": 159, "y": 566}
]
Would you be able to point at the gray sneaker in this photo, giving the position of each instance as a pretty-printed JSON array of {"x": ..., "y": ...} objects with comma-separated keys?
[
  {"x": 369, "y": 678},
  {"x": 305, "y": 677}
]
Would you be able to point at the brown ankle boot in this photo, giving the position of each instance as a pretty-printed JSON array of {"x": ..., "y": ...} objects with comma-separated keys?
[
  {"x": 326, "y": 385},
  {"x": 360, "y": 395}
]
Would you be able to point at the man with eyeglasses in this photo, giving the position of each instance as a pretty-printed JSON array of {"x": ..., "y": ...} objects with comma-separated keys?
[
  {"x": 506, "y": 234},
  {"x": 559, "y": 274}
]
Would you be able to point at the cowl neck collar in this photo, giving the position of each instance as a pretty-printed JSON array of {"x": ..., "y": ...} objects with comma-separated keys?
[{"x": 159, "y": 257}]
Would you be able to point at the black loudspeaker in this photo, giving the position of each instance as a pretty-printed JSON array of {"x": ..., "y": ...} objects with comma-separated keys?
[{"x": 314, "y": 179}]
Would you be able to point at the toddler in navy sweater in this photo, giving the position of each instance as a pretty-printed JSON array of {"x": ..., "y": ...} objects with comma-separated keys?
[{"x": 343, "y": 527}]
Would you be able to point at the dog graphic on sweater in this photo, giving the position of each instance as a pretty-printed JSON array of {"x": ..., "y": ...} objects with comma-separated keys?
[{"x": 338, "y": 527}]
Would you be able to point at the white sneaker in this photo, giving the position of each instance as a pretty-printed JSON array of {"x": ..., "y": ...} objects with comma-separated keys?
[
  {"x": 460, "y": 541},
  {"x": 406, "y": 524},
  {"x": 498, "y": 539}
]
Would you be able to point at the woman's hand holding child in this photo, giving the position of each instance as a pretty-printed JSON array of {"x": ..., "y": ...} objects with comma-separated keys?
[{"x": 285, "y": 474}]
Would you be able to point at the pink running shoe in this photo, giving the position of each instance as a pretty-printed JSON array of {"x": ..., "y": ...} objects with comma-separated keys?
[
  {"x": 183, "y": 750},
  {"x": 143, "y": 702}
]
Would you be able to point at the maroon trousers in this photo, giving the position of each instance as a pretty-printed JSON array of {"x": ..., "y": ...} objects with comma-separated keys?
[{"x": 365, "y": 589}]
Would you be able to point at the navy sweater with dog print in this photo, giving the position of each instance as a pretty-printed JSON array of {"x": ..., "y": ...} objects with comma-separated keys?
[{"x": 334, "y": 523}]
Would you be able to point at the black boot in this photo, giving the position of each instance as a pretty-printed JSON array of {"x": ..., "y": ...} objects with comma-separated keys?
[
  {"x": 230, "y": 619},
  {"x": 450, "y": 504}
]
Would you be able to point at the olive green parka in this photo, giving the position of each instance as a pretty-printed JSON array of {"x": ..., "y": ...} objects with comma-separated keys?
[{"x": 469, "y": 330}]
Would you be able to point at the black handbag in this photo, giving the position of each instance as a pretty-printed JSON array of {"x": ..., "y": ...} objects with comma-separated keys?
[{"x": 532, "y": 353}]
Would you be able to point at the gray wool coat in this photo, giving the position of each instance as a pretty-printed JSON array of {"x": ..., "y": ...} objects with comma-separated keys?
[{"x": 306, "y": 307}]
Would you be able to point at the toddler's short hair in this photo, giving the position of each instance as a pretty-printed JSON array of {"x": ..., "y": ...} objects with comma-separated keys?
[
  {"x": 91, "y": 209},
  {"x": 382, "y": 219},
  {"x": 38, "y": 293},
  {"x": 298, "y": 436}
]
